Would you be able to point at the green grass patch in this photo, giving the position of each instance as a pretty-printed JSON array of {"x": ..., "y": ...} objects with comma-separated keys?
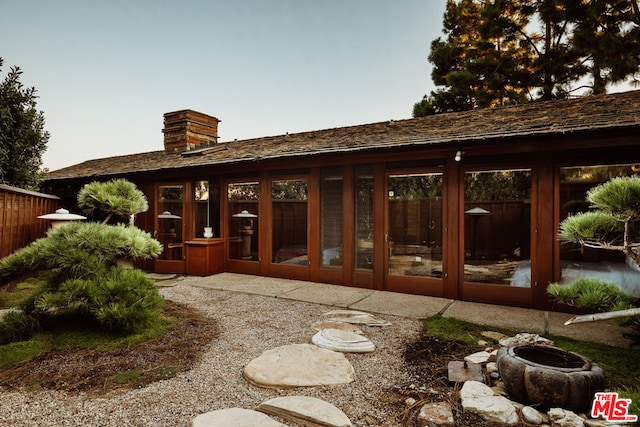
[
  {"x": 17, "y": 353},
  {"x": 620, "y": 365},
  {"x": 77, "y": 332},
  {"x": 12, "y": 297},
  {"x": 127, "y": 377}
]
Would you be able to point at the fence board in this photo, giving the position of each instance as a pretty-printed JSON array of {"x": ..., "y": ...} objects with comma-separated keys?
[{"x": 19, "y": 210}]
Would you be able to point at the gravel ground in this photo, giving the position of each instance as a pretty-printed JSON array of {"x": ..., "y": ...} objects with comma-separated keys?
[{"x": 249, "y": 325}]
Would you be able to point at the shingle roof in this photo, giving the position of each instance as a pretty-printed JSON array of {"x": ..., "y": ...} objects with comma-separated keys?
[{"x": 613, "y": 111}]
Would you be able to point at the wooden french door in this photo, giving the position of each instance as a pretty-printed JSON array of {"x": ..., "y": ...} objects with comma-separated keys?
[
  {"x": 289, "y": 244},
  {"x": 414, "y": 232}
]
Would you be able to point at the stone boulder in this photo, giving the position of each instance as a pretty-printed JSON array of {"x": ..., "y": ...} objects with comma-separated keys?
[{"x": 479, "y": 399}]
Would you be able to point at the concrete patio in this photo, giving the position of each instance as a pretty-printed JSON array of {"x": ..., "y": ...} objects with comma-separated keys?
[{"x": 412, "y": 306}]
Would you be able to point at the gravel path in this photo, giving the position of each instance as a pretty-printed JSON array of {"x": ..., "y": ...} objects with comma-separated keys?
[{"x": 249, "y": 325}]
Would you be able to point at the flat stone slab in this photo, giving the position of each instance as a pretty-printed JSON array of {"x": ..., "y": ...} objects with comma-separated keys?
[
  {"x": 459, "y": 372},
  {"x": 356, "y": 317},
  {"x": 307, "y": 411},
  {"x": 236, "y": 417},
  {"x": 299, "y": 365},
  {"x": 330, "y": 324},
  {"x": 344, "y": 341}
]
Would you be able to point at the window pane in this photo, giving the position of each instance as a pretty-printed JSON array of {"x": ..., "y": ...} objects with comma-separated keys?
[
  {"x": 243, "y": 221},
  {"x": 577, "y": 261},
  {"x": 207, "y": 209},
  {"x": 415, "y": 225},
  {"x": 289, "y": 227},
  {"x": 497, "y": 224},
  {"x": 364, "y": 217},
  {"x": 170, "y": 221},
  {"x": 331, "y": 217}
]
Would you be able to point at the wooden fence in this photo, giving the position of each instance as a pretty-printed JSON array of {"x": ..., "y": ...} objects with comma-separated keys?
[{"x": 19, "y": 210}]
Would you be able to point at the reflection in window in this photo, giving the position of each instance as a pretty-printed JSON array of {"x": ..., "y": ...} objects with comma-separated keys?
[
  {"x": 170, "y": 221},
  {"x": 207, "y": 209},
  {"x": 415, "y": 225},
  {"x": 577, "y": 261},
  {"x": 331, "y": 217},
  {"x": 364, "y": 217},
  {"x": 497, "y": 223},
  {"x": 289, "y": 227},
  {"x": 243, "y": 220}
]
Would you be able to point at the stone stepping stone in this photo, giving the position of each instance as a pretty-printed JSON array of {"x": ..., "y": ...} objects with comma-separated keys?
[
  {"x": 344, "y": 341},
  {"x": 236, "y": 417},
  {"x": 299, "y": 365},
  {"x": 306, "y": 411},
  {"x": 330, "y": 324},
  {"x": 357, "y": 317}
]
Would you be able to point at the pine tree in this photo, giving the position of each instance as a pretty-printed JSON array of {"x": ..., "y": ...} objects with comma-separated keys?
[
  {"x": 502, "y": 52},
  {"x": 22, "y": 135}
]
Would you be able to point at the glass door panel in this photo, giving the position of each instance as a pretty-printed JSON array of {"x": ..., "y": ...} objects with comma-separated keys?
[
  {"x": 289, "y": 222},
  {"x": 415, "y": 225},
  {"x": 497, "y": 227},
  {"x": 331, "y": 217},
  {"x": 170, "y": 223},
  {"x": 243, "y": 224},
  {"x": 364, "y": 217}
]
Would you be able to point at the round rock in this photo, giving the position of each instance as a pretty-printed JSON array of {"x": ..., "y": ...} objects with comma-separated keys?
[
  {"x": 344, "y": 341},
  {"x": 299, "y": 365}
]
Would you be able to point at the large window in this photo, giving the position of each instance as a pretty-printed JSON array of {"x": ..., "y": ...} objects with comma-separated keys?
[
  {"x": 207, "y": 209},
  {"x": 289, "y": 226},
  {"x": 577, "y": 261},
  {"x": 415, "y": 225},
  {"x": 497, "y": 224},
  {"x": 331, "y": 217},
  {"x": 243, "y": 220},
  {"x": 364, "y": 217}
]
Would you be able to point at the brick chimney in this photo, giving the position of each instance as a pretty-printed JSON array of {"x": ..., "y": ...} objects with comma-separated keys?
[{"x": 187, "y": 130}]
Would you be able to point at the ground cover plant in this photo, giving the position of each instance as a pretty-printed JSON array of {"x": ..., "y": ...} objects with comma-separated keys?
[{"x": 80, "y": 356}]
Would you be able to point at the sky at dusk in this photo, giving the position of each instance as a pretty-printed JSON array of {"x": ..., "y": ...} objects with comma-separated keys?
[{"x": 106, "y": 71}]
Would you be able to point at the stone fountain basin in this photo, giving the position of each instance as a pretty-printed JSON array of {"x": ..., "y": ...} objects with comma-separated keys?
[{"x": 549, "y": 377}]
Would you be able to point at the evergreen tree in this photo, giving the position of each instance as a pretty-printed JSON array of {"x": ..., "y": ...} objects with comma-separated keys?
[
  {"x": 22, "y": 135},
  {"x": 502, "y": 52}
]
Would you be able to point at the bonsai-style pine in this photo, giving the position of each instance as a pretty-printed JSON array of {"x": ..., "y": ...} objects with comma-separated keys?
[
  {"x": 118, "y": 197},
  {"x": 78, "y": 263},
  {"x": 613, "y": 225}
]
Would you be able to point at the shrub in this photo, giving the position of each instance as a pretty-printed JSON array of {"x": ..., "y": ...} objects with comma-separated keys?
[{"x": 84, "y": 277}]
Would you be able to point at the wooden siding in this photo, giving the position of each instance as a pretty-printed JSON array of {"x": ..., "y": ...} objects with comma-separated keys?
[{"x": 19, "y": 224}]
